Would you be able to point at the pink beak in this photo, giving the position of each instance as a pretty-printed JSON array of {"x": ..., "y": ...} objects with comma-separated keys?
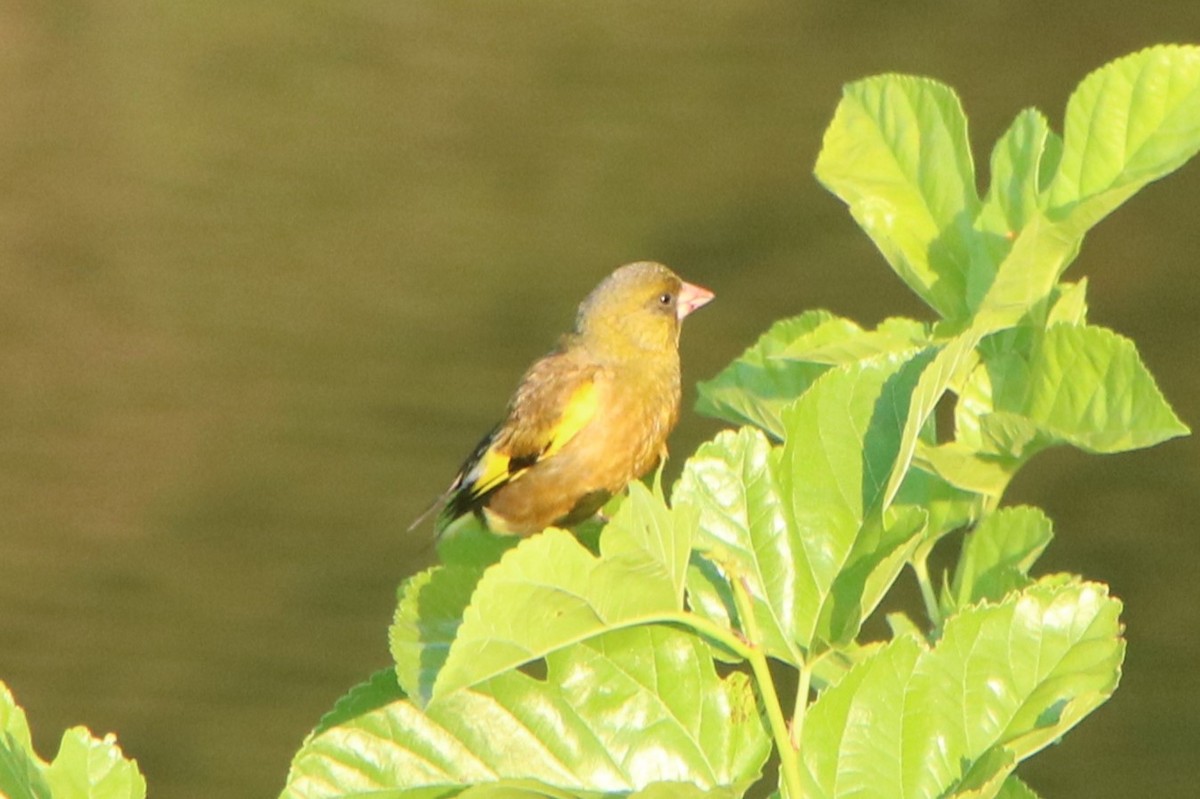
[{"x": 690, "y": 298}]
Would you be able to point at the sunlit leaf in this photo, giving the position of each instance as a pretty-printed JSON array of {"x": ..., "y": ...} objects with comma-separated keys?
[
  {"x": 470, "y": 543},
  {"x": 841, "y": 446},
  {"x": 1024, "y": 281},
  {"x": 427, "y": 619},
  {"x": 88, "y": 768},
  {"x": 954, "y": 358},
  {"x": 997, "y": 555},
  {"x": 801, "y": 525},
  {"x": 21, "y": 770},
  {"x": 1003, "y": 681},
  {"x": 14, "y": 726},
  {"x": 1031, "y": 667},
  {"x": 744, "y": 535},
  {"x": 550, "y": 591},
  {"x": 947, "y": 507},
  {"x": 1013, "y": 788},
  {"x": 759, "y": 384},
  {"x": 965, "y": 468},
  {"x": 1087, "y": 386},
  {"x": 645, "y": 531},
  {"x": 1070, "y": 304},
  {"x": 381, "y": 689},
  {"x": 614, "y": 714},
  {"x": 902, "y": 625},
  {"x": 897, "y": 154},
  {"x": 853, "y": 735},
  {"x": 1026, "y": 278},
  {"x": 987, "y": 775},
  {"x": 837, "y": 341},
  {"x": 84, "y": 768},
  {"x": 1130, "y": 122},
  {"x": 1024, "y": 160}
]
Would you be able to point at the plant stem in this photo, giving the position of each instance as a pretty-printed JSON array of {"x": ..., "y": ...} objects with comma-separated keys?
[
  {"x": 801, "y": 707},
  {"x": 789, "y": 765},
  {"x": 789, "y": 761},
  {"x": 708, "y": 629},
  {"x": 927, "y": 593}
]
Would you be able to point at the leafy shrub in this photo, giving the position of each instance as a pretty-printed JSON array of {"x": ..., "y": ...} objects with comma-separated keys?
[{"x": 634, "y": 660}]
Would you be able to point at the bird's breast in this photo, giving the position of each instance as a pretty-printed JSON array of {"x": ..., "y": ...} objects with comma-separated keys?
[{"x": 636, "y": 417}]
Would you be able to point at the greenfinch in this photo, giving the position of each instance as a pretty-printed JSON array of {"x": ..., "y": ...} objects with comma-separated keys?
[{"x": 588, "y": 417}]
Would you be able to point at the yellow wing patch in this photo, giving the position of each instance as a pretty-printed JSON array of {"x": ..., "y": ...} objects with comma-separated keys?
[
  {"x": 495, "y": 467},
  {"x": 578, "y": 411},
  {"x": 493, "y": 472}
]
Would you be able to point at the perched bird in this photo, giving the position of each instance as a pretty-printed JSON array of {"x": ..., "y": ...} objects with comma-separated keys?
[{"x": 588, "y": 417}]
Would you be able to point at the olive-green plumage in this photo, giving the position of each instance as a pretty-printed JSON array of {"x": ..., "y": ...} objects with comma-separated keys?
[{"x": 588, "y": 417}]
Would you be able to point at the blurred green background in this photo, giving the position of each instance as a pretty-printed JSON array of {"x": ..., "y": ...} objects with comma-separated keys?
[{"x": 269, "y": 269}]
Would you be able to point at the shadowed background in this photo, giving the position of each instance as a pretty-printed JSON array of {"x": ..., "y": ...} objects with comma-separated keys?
[{"x": 268, "y": 271}]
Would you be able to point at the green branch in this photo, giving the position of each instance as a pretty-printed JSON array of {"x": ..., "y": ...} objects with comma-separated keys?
[{"x": 789, "y": 762}]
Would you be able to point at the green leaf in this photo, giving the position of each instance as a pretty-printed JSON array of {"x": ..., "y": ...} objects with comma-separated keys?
[
  {"x": 962, "y": 467},
  {"x": 14, "y": 726},
  {"x": 614, "y": 714},
  {"x": 677, "y": 790},
  {"x": 842, "y": 443},
  {"x": 840, "y": 449},
  {"x": 758, "y": 385},
  {"x": 88, "y": 768},
  {"x": 987, "y": 775},
  {"x": 85, "y": 768},
  {"x": 901, "y": 625},
  {"x": 744, "y": 535},
  {"x": 21, "y": 774},
  {"x": 773, "y": 373},
  {"x": 800, "y": 526},
  {"x": 1085, "y": 386},
  {"x": 513, "y": 789},
  {"x": 1023, "y": 161},
  {"x": 646, "y": 531},
  {"x": 839, "y": 341},
  {"x": 897, "y": 154},
  {"x": 550, "y": 591},
  {"x": 1013, "y": 788},
  {"x": 427, "y": 619},
  {"x": 955, "y": 358},
  {"x": 946, "y": 506},
  {"x": 1130, "y": 122},
  {"x": 997, "y": 555},
  {"x": 1031, "y": 667},
  {"x": 21, "y": 769},
  {"x": 469, "y": 542},
  {"x": 1004, "y": 681},
  {"x": 881, "y": 550},
  {"x": 1024, "y": 282},
  {"x": 1070, "y": 304},
  {"x": 1027, "y": 276},
  {"x": 381, "y": 689},
  {"x": 843, "y": 756}
]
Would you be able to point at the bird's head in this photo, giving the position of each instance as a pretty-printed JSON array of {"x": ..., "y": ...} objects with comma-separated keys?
[{"x": 638, "y": 309}]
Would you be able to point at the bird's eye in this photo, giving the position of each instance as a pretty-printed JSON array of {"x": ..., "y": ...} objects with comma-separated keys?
[{"x": 666, "y": 299}]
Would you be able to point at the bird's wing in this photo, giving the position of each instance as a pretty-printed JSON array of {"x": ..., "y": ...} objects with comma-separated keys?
[{"x": 557, "y": 398}]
